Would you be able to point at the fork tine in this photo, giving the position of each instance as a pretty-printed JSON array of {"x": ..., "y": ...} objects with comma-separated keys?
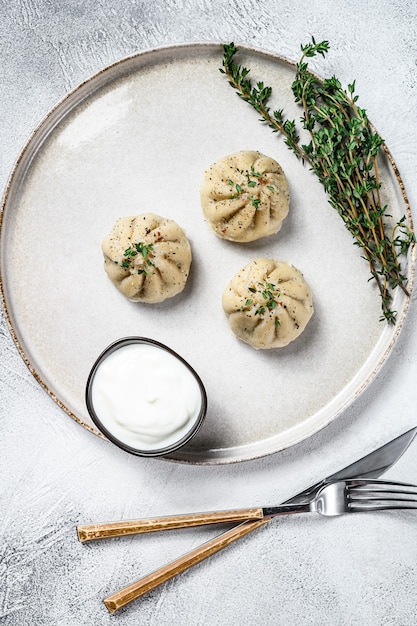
[
  {"x": 379, "y": 498},
  {"x": 363, "y": 506},
  {"x": 386, "y": 494}
]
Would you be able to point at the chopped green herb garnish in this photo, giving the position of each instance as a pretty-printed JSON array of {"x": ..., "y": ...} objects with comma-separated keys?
[
  {"x": 267, "y": 297},
  {"x": 250, "y": 184},
  {"x": 145, "y": 250}
]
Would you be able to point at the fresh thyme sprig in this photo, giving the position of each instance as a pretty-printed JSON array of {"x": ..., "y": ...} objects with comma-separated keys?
[{"x": 343, "y": 153}]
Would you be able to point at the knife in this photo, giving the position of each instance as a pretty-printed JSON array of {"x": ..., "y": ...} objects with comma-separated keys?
[{"x": 370, "y": 466}]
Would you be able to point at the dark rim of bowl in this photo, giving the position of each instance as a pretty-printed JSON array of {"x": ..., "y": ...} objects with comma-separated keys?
[{"x": 119, "y": 343}]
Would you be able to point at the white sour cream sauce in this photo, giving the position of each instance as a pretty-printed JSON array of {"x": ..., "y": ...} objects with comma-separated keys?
[{"x": 145, "y": 396}]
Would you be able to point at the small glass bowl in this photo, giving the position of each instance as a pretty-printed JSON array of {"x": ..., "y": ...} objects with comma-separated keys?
[{"x": 154, "y": 452}]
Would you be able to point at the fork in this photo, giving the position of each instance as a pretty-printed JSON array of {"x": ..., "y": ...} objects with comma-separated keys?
[{"x": 349, "y": 496}]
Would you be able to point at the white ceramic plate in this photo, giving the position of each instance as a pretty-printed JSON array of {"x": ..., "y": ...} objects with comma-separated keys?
[{"x": 135, "y": 138}]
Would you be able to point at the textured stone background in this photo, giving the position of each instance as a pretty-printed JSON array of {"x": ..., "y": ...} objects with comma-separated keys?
[{"x": 354, "y": 570}]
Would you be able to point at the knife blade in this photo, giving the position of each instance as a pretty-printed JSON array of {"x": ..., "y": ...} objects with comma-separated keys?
[{"x": 370, "y": 466}]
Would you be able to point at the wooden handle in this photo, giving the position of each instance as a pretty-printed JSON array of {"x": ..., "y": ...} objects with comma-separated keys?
[
  {"x": 161, "y": 575},
  {"x": 119, "y": 529}
]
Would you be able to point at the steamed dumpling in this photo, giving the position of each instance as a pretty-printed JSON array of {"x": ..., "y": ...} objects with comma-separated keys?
[
  {"x": 147, "y": 257},
  {"x": 245, "y": 196},
  {"x": 268, "y": 303}
]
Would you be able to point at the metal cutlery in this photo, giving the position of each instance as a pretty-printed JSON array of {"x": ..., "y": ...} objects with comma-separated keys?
[
  {"x": 337, "y": 498},
  {"x": 351, "y": 489}
]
